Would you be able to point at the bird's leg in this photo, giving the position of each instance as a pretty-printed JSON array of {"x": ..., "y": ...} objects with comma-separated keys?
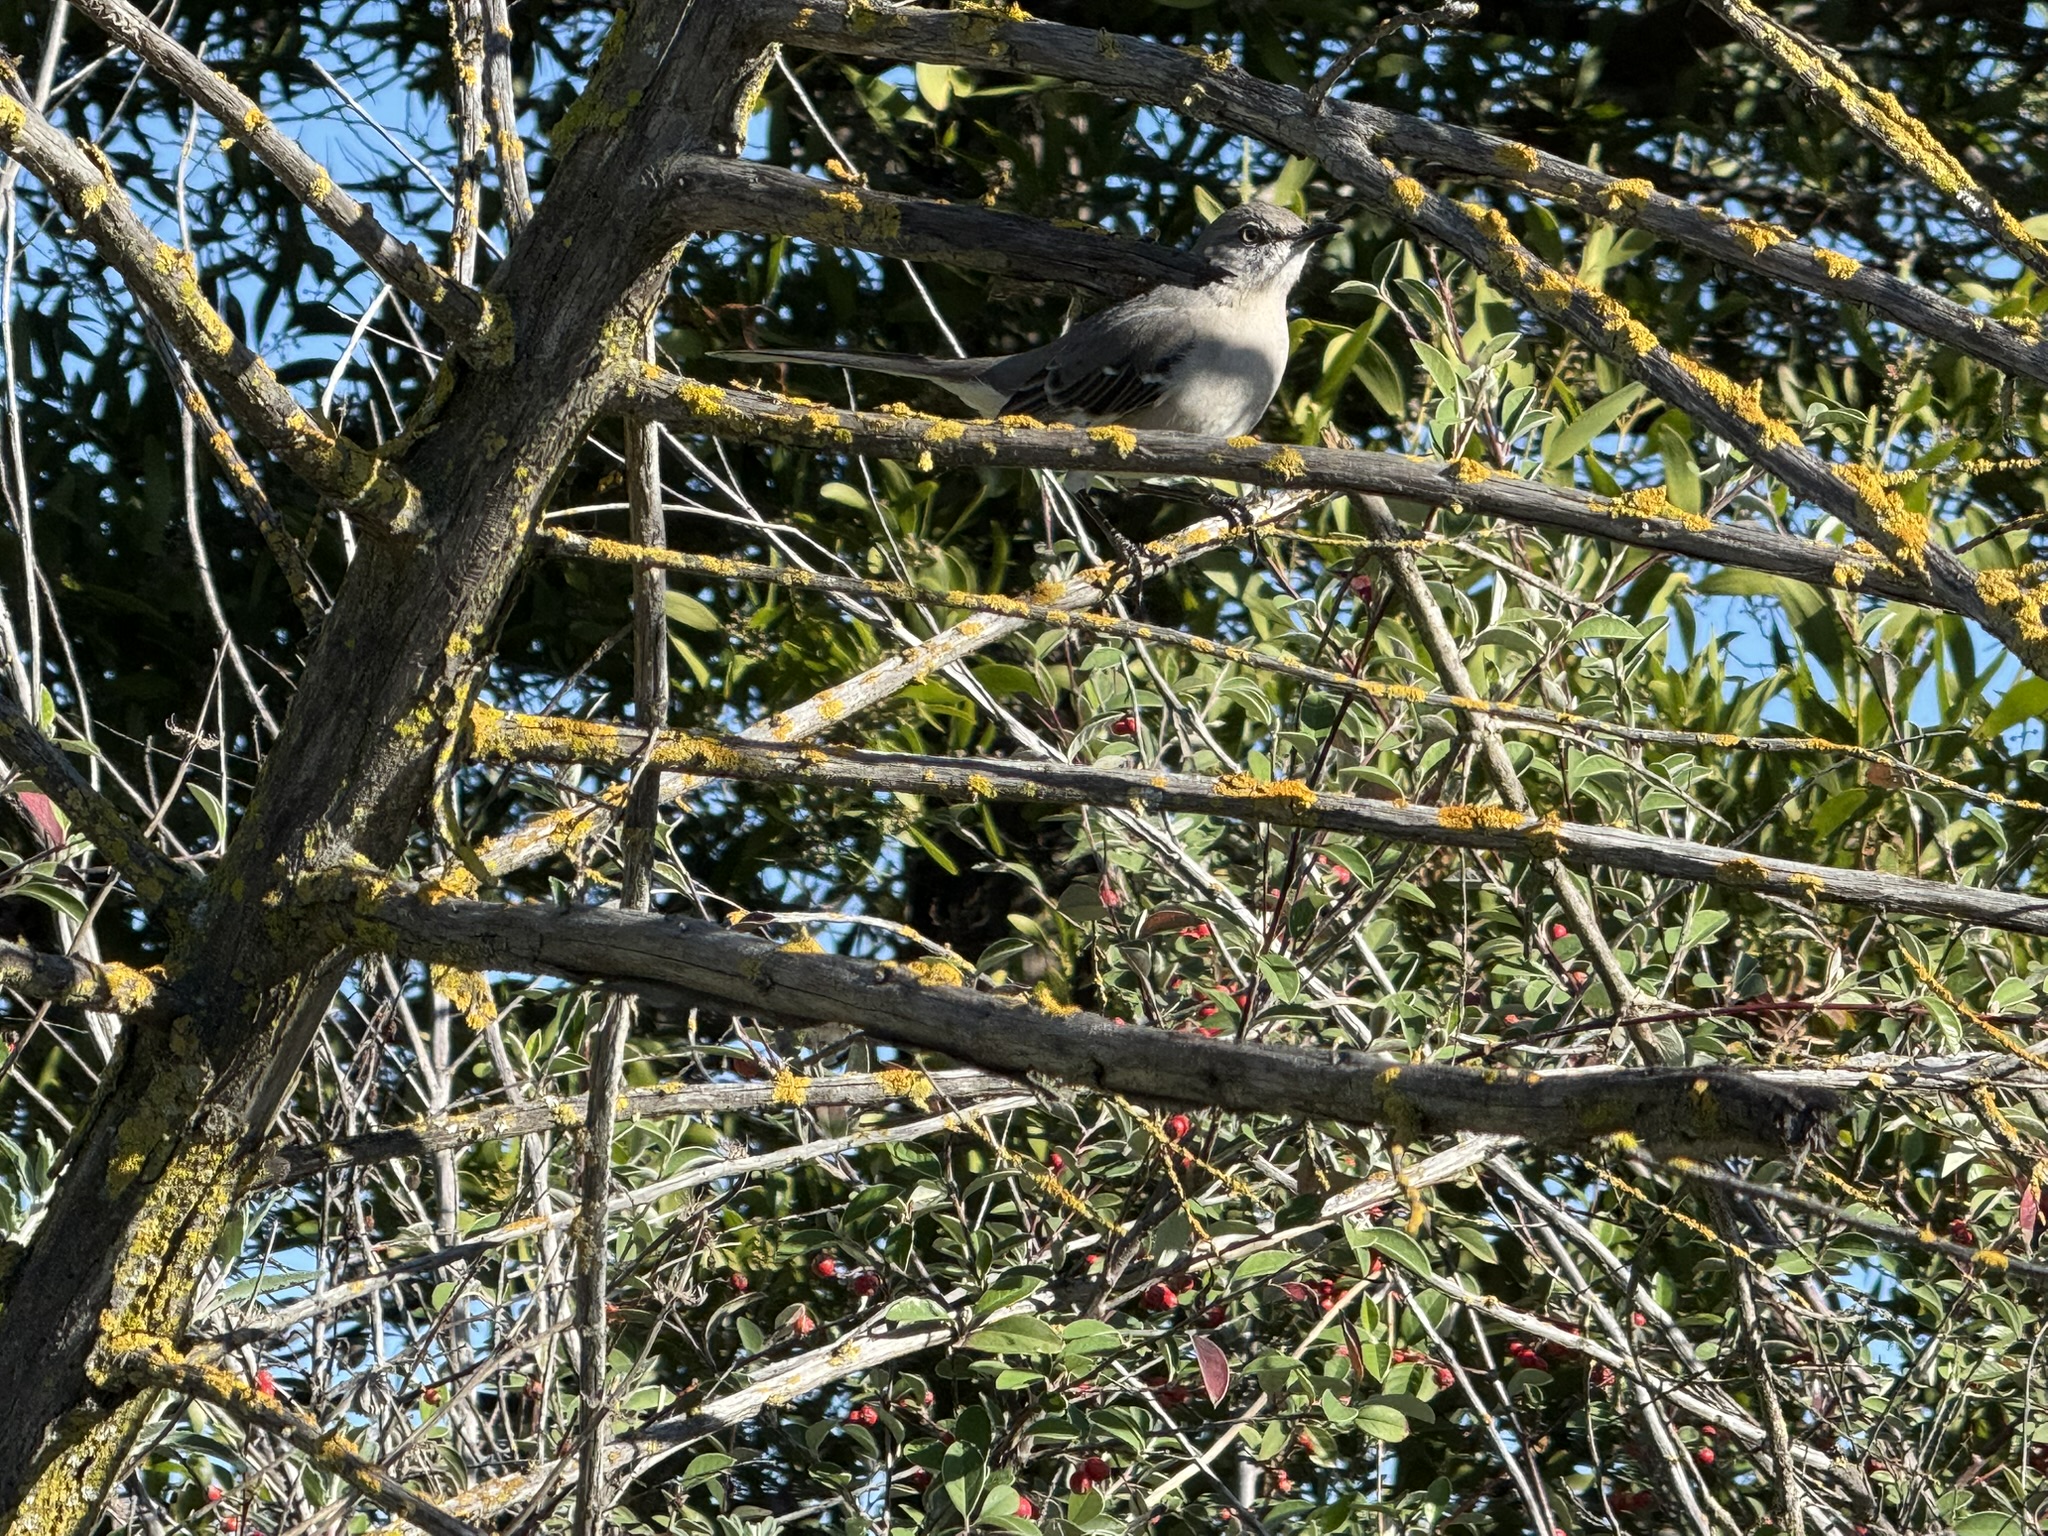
[
  {"x": 1130, "y": 559},
  {"x": 1201, "y": 493}
]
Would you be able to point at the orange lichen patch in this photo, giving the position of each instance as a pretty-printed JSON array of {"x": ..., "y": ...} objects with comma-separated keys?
[
  {"x": 1244, "y": 441},
  {"x": 1742, "y": 872},
  {"x": 907, "y": 1083},
  {"x": 468, "y": 993},
  {"x": 1812, "y": 887},
  {"x": 1469, "y": 471},
  {"x": 790, "y": 1089},
  {"x": 1286, "y": 464},
  {"x": 1242, "y": 786},
  {"x": 1742, "y": 401},
  {"x": 1491, "y": 223},
  {"x": 1122, "y": 439},
  {"x": 803, "y": 944},
  {"x": 981, "y": 786},
  {"x": 935, "y": 973},
  {"x": 1478, "y": 818},
  {"x": 1754, "y": 237},
  {"x": 1626, "y": 196},
  {"x": 128, "y": 989},
  {"x": 1044, "y": 1001},
  {"x": 1907, "y": 529},
  {"x": 1406, "y": 692},
  {"x": 1519, "y": 158},
  {"x": 1841, "y": 268},
  {"x": 1408, "y": 194},
  {"x": 2021, "y": 595},
  {"x": 1652, "y": 501}
]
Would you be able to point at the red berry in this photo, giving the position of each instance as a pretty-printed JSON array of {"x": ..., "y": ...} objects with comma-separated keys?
[
  {"x": 1206, "y": 1011},
  {"x": 870, "y": 1414},
  {"x": 826, "y": 1268},
  {"x": 1637, "y": 1320},
  {"x": 1212, "y": 1317},
  {"x": 866, "y": 1285},
  {"x": 230, "y": 1523},
  {"x": 1601, "y": 1376},
  {"x": 1373, "y": 1269},
  {"x": 1026, "y": 1510},
  {"x": 266, "y": 1383},
  {"x": 1305, "y": 1440},
  {"x": 1161, "y": 1297},
  {"x": 1558, "y": 930},
  {"x": 1056, "y": 1163},
  {"x": 1173, "y": 1397},
  {"x": 1445, "y": 1376},
  {"x": 215, "y": 1494},
  {"x": 1962, "y": 1232},
  {"x": 1704, "y": 1455},
  {"x": 1710, "y": 1430},
  {"x": 1178, "y": 1126},
  {"x": 1511, "y": 1018},
  {"x": 920, "y": 1478},
  {"x": 1097, "y": 1470},
  {"x": 1081, "y": 1484},
  {"x": 739, "y": 1282},
  {"x": 802, "y": 1323},
  {"x": 1124, "y": 725},
  {"x": 1282, "y": 1483},
  {"x": 431, "y": 1397}
]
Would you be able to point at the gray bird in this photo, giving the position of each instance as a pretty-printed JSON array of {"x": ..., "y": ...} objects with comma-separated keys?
[{"x": 1204, "y": 359}]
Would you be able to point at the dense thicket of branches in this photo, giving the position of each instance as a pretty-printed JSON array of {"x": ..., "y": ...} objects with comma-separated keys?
[{"x": 1495, "y": 989}]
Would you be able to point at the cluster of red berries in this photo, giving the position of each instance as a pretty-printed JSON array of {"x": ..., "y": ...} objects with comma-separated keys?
[
  {"x": 1705, "y": 1454},
  {"x": 1093, "y": 1470},
  {"x": 1178, "y": 1126},
  {"x": 1528, "y": 1358},
  {"x": 1199, "y": 931},
  {"x": 1961, "y": 1231},
  {"x": 1124, "y": 725},
  {"x": 266, "y": 1383},
  {"x": 866, "y": 1414}
]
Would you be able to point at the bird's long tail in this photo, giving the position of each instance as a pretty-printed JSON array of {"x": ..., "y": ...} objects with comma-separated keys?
[{"x": 961, "y": 375}]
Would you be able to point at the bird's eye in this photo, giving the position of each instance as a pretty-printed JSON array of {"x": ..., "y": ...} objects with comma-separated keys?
[{"x": 1248, "y": 235}]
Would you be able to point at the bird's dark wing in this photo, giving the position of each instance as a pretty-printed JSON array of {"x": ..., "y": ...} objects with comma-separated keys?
[{"x": 1108, "y": 367}]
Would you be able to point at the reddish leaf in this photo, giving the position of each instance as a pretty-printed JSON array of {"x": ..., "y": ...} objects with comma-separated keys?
[
  {"x": 1214, "y": 1367},
  {"x": 1164, "y": 920},
  {"x": 2030, "y": 1211},
  {"x": 43, "y": 816},
  {"x": 1296, "y": 1289}
]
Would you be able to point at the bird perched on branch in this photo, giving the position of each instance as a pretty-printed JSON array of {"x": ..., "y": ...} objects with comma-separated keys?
[{"x": 1204, "y": 359}]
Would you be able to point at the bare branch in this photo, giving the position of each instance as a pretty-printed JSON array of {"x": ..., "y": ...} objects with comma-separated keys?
[
  {"x": 425, "y": 1137},
  {"x": 119, "y": 840},
  {"x": 707, "y": 192},
  {"x": 158, "y": 1365},
  {"x": 459, "y": 310},
  {"x": 358, "y": 483},
  {"x": 1644, "y": 519},
  {"x": 107, "y": 986},
  {"x": 914, "y": 1005},
  {"x": 1239, "y": 797}
]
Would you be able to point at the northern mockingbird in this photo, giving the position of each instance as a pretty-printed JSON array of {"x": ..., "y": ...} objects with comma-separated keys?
[{"x": 1204, "y": 359}]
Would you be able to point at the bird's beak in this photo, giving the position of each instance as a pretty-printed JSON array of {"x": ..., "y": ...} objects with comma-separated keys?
[{"x": 1322, "y": 229}]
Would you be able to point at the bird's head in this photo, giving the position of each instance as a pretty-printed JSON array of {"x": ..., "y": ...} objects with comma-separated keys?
[{"x": 1258, "y": 243}]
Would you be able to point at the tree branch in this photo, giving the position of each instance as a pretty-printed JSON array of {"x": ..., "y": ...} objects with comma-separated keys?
[
  {"x": 164, "y": 278},
  {"x": 457, "y": 309},
  {"x": 154, "y": 1363},
  {"x": 1239, "y": 797},
  {"x": 708, "y": 192},
  {"x": 1713, "y": 1111},
  {"x": 120, "y": 842},
  {"x": 1645, "y": 519},
  {"x": 106, "y": 986},
  {"x": 423, "y": 1138}
]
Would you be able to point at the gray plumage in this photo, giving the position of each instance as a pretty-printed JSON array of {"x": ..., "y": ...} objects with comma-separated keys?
[{"x": 1204, "y": 359}]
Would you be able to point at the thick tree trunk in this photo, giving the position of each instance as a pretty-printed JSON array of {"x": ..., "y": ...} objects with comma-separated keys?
[{"x": 155, "y": 1166}]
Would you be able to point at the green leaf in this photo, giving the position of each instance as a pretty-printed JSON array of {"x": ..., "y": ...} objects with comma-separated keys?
[
  {"x": 1379, "y": 1422},
  {"x": 1573, "y": 438},
  {"x": 1016, "y": 1336},
  {"x": 216, "y": 813},
  {"x": 686, "y": 610},
  {"x": 1206, "y": 204},
  {"x": 2026, "y": 700},
  {"x": 1392, "y": 1243},
  {"x": 705, "y": 1467},
  {"x": 935, "y": 85},
  {"x": 1382, "y": 380}
]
